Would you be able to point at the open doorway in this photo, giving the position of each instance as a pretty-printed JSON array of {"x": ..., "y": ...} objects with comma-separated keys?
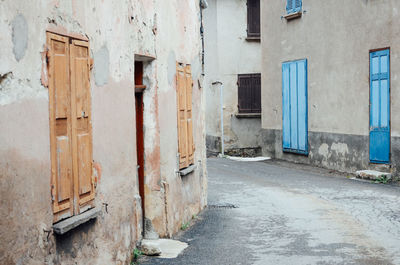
[{"x": 139, "y": 88}]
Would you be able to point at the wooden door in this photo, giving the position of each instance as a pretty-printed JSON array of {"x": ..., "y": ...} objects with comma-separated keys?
[
  {"x": 140, "y": 145},
  {"x": 294, "y": 101},
  {"x": 379, "y": 136}
]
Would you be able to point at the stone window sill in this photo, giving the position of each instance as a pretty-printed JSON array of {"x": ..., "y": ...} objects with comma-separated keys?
[
  {"x": 66, "y": 225},
  {"x": 254, "y": 39},
  {"x": 293, "y": 15},
  {"x": 187, "y": 170},
  {"x": 247, "y": 115}
]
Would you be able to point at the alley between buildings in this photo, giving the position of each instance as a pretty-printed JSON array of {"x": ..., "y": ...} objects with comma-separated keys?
[{"x": 280, "y": 213}]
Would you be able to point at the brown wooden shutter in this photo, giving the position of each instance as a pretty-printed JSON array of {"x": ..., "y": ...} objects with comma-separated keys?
[
  {"x": 256, "y": 93},
  {"x": 81, "y": 125},
  {"x": 244, "y": 93},
  {"x": 72, "y": 185},
  {"x": 60, "y": 127},
  {"x": 253, "y": 18},
  {"x": 249, "y": 93},
  {"x": 182, "y": 119},
  {"x": 189, "y": 88}
]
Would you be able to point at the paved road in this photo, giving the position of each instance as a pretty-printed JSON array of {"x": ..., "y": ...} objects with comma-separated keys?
[{"x": 290, "y": 214}]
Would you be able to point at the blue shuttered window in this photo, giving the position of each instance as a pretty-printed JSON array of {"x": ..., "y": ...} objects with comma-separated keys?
[
  {"x": 294, "y": 100},
  {"x": 379, "y": 136},
  {"x": 293, "y": 6}
]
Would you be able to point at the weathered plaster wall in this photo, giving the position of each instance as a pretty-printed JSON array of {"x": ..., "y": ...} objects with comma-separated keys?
[
  {"x": 117, "y": 30},
  {"x": 186, "y": 48},
  {"x": 228, "y": 54},
  {"x": 337, "y": 45}
]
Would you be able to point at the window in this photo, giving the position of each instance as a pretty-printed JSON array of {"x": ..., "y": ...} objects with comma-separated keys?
[
  {"x": 72, "y": 180},
  {"x": 185, "y": 124},
  {"x": 253, "y": 19},
  {"x": 249, "y": 93},
  {"x": 293, "y": 6},
  {"x": 294, "y": 109}
]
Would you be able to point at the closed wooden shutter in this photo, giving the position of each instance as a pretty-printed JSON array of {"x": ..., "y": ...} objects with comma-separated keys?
[
  {"x": 253, "y": 18},
  {"x": 189, "y": 87},
  {"x": 295, "y": 105},
  {"x": 182, "y": 118},
  {"x": 185, "y": 123},
  {"x": 249, "y": 93},
  {"x": 60, "y": 126},
  {"x": 81, "y": 124},
  {"x": 293, "y": 6},
  {"x": 70, "y": 126}
]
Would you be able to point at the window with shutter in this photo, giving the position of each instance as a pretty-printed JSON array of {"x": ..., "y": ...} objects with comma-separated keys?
[
  {"x": 185, "y": 124},
  {"x": 249, "y": 93},
  {"x": 293, "y": 6},
  {"x": 253, "y": 19},
  {"x": 70, "y": 126}
]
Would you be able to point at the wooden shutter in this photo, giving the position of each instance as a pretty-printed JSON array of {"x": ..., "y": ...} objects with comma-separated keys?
[
  {"x": 253, "y": 18},
  {"x": 189, "y": 87},
  {"x": 249, "y": 93},
  {"x": 244, "y": 93},
  {"x": 293, "y": 6},
  {"x": 81, "y": 125},
  {"x": 256, "y": 93},
  {"x": 182, "y": 119},
  {"x": 294, "y": 100},
  {"x": 185, "y": 123},
  {"x": 297, "y": 5},
  {"x": 60, "y": 126}
]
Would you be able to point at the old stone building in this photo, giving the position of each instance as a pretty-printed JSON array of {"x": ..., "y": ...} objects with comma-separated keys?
[
  {"x": 330, "y": 75},
  {"x": 233, "y": 65},
  {"x": 102, "y": 127}
]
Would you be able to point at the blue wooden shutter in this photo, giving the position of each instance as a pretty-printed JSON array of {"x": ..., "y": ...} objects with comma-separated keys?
[
  {"x": 294, "y": 109},
  {"x": 293, "y": 6},
  {"x": 285, "y": 106},
  {"x": 289, "y": 6}
]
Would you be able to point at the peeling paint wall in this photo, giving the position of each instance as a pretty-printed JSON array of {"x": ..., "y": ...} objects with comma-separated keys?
[
  {"x": 228, "y": 54},
  {"x": 117, "y": 30},
  {"x": 337, "y": 45}
]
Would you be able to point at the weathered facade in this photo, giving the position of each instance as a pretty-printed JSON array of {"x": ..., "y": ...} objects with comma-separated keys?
[
  {"x": 69, "y": 79},
  {"x": 346, "y": 55},
  {"x": 233, "y": 49}
]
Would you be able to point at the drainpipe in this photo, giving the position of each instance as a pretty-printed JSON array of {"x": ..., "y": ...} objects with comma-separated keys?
[
  {"x": 221, "y": 102},
  {"x": 203, "y": 5}
]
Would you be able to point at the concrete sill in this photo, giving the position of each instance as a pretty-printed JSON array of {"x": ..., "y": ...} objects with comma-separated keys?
[
  {"x": 187, "y": 170},
  {"x": 293, "y": 15},
  {"x": 247, "y": 115},
  {"x": 70, "y": 223},
  {"x": 254, "y": 39}
]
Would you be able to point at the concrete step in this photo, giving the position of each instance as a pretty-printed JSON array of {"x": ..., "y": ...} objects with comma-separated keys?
[{"x": 373, "y": 174}]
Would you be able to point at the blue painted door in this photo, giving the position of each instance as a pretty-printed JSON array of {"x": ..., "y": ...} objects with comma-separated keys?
[
  {"x": 379, "y": 136},
  {"x": 294, "y": 109}
]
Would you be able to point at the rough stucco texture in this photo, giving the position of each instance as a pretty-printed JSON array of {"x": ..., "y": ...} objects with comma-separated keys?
[{"x": 19, "y": 36}]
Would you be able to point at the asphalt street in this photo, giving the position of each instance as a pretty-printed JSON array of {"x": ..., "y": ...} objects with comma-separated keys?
[{"x": 281, "y": 213}]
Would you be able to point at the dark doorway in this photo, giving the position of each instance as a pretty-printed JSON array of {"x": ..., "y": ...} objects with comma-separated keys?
[{"x": 139, "y": 88}]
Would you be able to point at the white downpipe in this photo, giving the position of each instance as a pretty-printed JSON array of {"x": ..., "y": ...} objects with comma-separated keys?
[{"x": 221, "y": 89}]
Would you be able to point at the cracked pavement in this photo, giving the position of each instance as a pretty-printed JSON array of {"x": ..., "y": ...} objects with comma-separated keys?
[{"x": 291, "y": 214}]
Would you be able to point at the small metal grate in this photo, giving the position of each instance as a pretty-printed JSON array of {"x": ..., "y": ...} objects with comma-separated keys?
[{"x": 222, "y": 205}]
